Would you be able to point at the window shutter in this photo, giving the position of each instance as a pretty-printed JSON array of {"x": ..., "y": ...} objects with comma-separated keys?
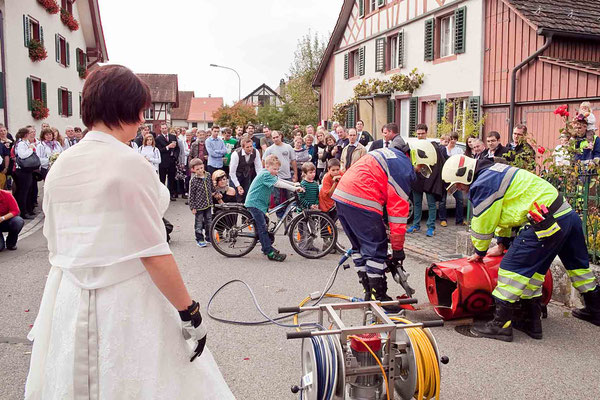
[
  {"x": 351, "y": 117},
  {"x": 67, "y": 53},
  {"x": 77, "y": 57},
  {"x": 60, "y": 104},
  {"x": 41, "y": 34},
  {"x": 44, "y": 93},
  {"x": 361, "y": 8},
  {"x": 460, "y": 21},
  {"x": 391, "y": 110},
  {"x": 429, "y": 39},
  {"x": 85, "y": 60},
  {"x": 1, "y": 89},
  {"x": 401, "y": 49},
  {"x": 474, "y": 107},
  {"x": 29, "y": 93},
  {"x": 380, "y": 55},
  {"x": 346, "y": 66},
  {"x": 361, "y": 60},
  {"x": 26, "y": 30},
  {"x": 79, "y": 105},
  {"x": 441, "y": 110},
  {"x": 413, "y": 115},
  {"x": 380, "y": 3},
  {"x": 57, "y": 47},
  {"x": 69, "y": 104}
]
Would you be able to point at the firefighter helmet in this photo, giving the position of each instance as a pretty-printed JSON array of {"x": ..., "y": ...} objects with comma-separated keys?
[
  {"x": 458, "y": 169},
  {"x": 422, "y": 152}
]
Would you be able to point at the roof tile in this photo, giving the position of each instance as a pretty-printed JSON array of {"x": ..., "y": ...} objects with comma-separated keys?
[
  {"x": 203, "y": 108},
  {"x": 182, "y": 112},
  {"x": 163, "y": 87}
]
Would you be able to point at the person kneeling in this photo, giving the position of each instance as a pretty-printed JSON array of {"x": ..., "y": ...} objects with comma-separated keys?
[
  {"x": 9, "y": 221},
  {"x": 257, "y": 203}
]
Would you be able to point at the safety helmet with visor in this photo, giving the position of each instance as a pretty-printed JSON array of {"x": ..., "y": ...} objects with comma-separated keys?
[
  {"x": 458, "y": 169},
  {"x": 423, "y": 153}
]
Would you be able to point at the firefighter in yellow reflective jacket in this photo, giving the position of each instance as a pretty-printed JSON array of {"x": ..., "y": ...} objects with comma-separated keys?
[{"x": 504, "y": 198}]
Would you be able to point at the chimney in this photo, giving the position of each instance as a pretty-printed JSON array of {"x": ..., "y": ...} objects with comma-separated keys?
[{"x": 209, "y": 95}]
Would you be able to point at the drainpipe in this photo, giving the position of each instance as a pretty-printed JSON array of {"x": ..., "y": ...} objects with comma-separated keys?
[
  {"x": 2, "y": 56},
  {"x": 513, "y": 84}
]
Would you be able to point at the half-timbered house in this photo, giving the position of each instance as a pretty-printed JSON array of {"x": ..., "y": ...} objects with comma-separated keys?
[
  {"x": 263, "y": 96},
  {"x": 179, "y": 115},
  {"x": 165, "y": 96},
  {"x": 43, "y": 61}
]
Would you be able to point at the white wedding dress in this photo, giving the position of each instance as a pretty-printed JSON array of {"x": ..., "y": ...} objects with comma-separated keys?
[{"x": 104, "y": 331}]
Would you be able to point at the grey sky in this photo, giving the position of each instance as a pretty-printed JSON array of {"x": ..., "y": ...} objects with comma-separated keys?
[{"x": 257, "y": 38}]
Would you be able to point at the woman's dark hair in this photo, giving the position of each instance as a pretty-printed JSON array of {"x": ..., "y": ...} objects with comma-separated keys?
[
  {"x": 46, "y": 131},
  {"x": 113, "y": 95},
  {"x": 21, "y": 133}
]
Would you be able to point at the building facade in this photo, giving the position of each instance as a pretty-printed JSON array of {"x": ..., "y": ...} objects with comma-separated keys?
[
  {"x": 55, "y": 82},
  {"x": 375, "y": 39},
  {"x": 165, "y": 97},
  {"x": 202, "y": 110},
  {"x": 264, "y": 96},
  {"x": 179, "y": 115}
]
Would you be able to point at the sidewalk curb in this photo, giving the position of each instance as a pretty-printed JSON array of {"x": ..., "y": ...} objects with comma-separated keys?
[
  {"x": 32, "y": 227},
  {"x": 422, "y": 255}
]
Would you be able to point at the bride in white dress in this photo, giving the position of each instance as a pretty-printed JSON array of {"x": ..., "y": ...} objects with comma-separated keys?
[{"x": 108, "y": 325}]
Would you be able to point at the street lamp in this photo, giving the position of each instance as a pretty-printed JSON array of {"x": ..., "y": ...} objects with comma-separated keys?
[{"x": 239, "y": 79}]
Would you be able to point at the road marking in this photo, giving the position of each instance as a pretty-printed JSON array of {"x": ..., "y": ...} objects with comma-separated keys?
[{"x": 35, "y": 225}]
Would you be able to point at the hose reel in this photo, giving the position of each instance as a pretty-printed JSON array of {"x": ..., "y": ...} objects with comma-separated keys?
[{"x": 391, "y": 358}]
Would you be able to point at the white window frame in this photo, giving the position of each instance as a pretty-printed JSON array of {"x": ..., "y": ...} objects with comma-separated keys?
[
  {"x": 372, "y": 5},
  {"x": 447, "y": 26},
  {"x": 149, "y": 113},
  {"x": 355, "y": 63},
  {"x": 393, "y": 51}
]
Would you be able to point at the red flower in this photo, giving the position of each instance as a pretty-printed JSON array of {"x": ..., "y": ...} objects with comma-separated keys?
[
  {"x": 562, "y": 111},
  {"x": 68, "y": 19},
  {"x": 38, "y": 110},
  {"x": 50, "y": 5},
  {"x": 541, "y": 150}
]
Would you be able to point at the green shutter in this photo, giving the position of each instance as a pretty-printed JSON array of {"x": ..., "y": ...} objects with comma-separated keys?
[
  {"x": 460, "y": 21},
  {"x": 380, "y": 55},
  {"x": 44, "y": 93},
  {"x": 1, "y": 89},
  {"x": 29, "y": 93},
  {"x": 401, "y": 49},
  {"x": 67, "y": 53},
  {"x": 79, "y": 105},
  {"x": 346, "y": 66},
  {"x": 413, "y": 115},
  {"x": 41, "y": 34},
  {"x": 77, "y": 51},
  {"x": 60, "y": 105},
  {"x": 380, "y": 3},
  {"x": 26, "y": 30},
  {"x": 69, "y": 104},
  {"x": 361, "y": 60},
  {"x": 391, "y": 110},
  {"x": 351, "y": 117},
  {"x": 361, "y": 8},
  {"x": 441, "y": 110},
  {"x": 57, "y": 47},
  {"x": 429, "y": 39},
  {"x": 474, "y": 102}
]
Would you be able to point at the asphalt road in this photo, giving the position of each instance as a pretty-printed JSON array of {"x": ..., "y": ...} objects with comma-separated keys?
[{"x": 259, "y": 363}]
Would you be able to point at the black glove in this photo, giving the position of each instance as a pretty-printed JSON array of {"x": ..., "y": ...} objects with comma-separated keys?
[
  {"x": 398, "y": 255},
  {"x": 192, "y": 328}
]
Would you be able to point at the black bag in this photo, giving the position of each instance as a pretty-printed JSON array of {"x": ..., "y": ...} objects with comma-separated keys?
[
  {"x": 30, "y": 163},
  {"x": 168, "y": 228}
]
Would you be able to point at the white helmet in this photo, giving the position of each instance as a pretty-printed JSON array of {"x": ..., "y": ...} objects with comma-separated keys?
[
  {"x": 422, "y": 152},
  {"x": 458, "y": 169}
]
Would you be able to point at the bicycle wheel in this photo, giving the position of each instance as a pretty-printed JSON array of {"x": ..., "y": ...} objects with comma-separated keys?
[
  {"x": 312, "y": 234},
  {"x": 233, "y": 233}
]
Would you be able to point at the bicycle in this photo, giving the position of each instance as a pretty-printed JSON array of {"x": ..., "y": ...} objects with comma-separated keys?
[{"x": 312, "y": 234}]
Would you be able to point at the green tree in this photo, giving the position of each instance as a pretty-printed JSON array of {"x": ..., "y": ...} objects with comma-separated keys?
[{"x": 236, "y": 115}]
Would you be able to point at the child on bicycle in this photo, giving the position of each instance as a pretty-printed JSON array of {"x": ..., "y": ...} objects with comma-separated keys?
[
  {"x": 257, "y": 203},
  {"x": 330, "y": 182},
  {"x": 309, "y": 199},
  {"x": 201, "y": 193}
]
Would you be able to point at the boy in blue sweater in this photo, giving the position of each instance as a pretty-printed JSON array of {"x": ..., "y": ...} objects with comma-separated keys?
[{"x": 257, "y": 203}]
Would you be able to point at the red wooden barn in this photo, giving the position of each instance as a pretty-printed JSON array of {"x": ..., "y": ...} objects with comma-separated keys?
[{"x": 560, "y": 39}]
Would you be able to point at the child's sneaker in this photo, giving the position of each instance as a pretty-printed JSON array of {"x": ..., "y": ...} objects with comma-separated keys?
[
  {"x": 413, "y": 228},
  {"x": 276, "y": 256},
  {"x": 430, "y": 232},
  {"x": 201, "y": 243}
]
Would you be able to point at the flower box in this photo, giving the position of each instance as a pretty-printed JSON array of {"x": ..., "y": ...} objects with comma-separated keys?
[
  {"x": 50, "y": 5},
  {"x": 37, "y": 51},
  {"x": 68, "y": 19},
  {"x": 38, "y": 110}
]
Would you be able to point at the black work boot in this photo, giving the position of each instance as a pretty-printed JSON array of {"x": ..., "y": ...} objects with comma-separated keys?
[
  {"x": 500, "y": 327},
  {"x": 379, "y": 291},
  {"x": 529, "y": 317},
  {"x": 591, "y": 311},
  {"x": 364, "y": 281}
]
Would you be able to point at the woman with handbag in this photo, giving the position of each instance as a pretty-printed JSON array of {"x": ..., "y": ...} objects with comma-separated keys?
[
  {"x": 26, "y": 162},
  {"x": 46, "y": 148}
]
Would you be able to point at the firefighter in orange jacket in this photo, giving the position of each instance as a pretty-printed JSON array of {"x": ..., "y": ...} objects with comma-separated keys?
[{"x": 379, "y": 180}]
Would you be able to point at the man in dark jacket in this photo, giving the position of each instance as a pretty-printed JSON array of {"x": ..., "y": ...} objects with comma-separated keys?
[
  {"x": 364, "y": 137},
  {"x": 520, "y": 148},
  {"x": 495, "y": 148},
  {"x": 391, "y": 138},
  {"x": 433, "y": 187},
  {"x": 169, "y": 154}
]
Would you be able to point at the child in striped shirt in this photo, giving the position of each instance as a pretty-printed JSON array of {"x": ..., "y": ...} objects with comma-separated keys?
[{"x": 309, "y": 199}]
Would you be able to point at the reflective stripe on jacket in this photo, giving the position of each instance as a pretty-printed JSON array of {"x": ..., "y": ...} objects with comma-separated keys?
[
  {"x": 380, "y": 179},
  {"x": 502, "y": 196}
]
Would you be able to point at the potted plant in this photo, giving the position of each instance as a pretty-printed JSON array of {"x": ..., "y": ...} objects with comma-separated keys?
[
  {"x": 82, "y": 70},
  {"x": 50, "y": 5},
  {"x": 37, "y": 51},
  {"x": 38, "y": 110},
  {"x": 67, "y": 18}
]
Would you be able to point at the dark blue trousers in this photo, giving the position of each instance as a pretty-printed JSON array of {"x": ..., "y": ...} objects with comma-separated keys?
[{"x": 367, "y": 234}]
